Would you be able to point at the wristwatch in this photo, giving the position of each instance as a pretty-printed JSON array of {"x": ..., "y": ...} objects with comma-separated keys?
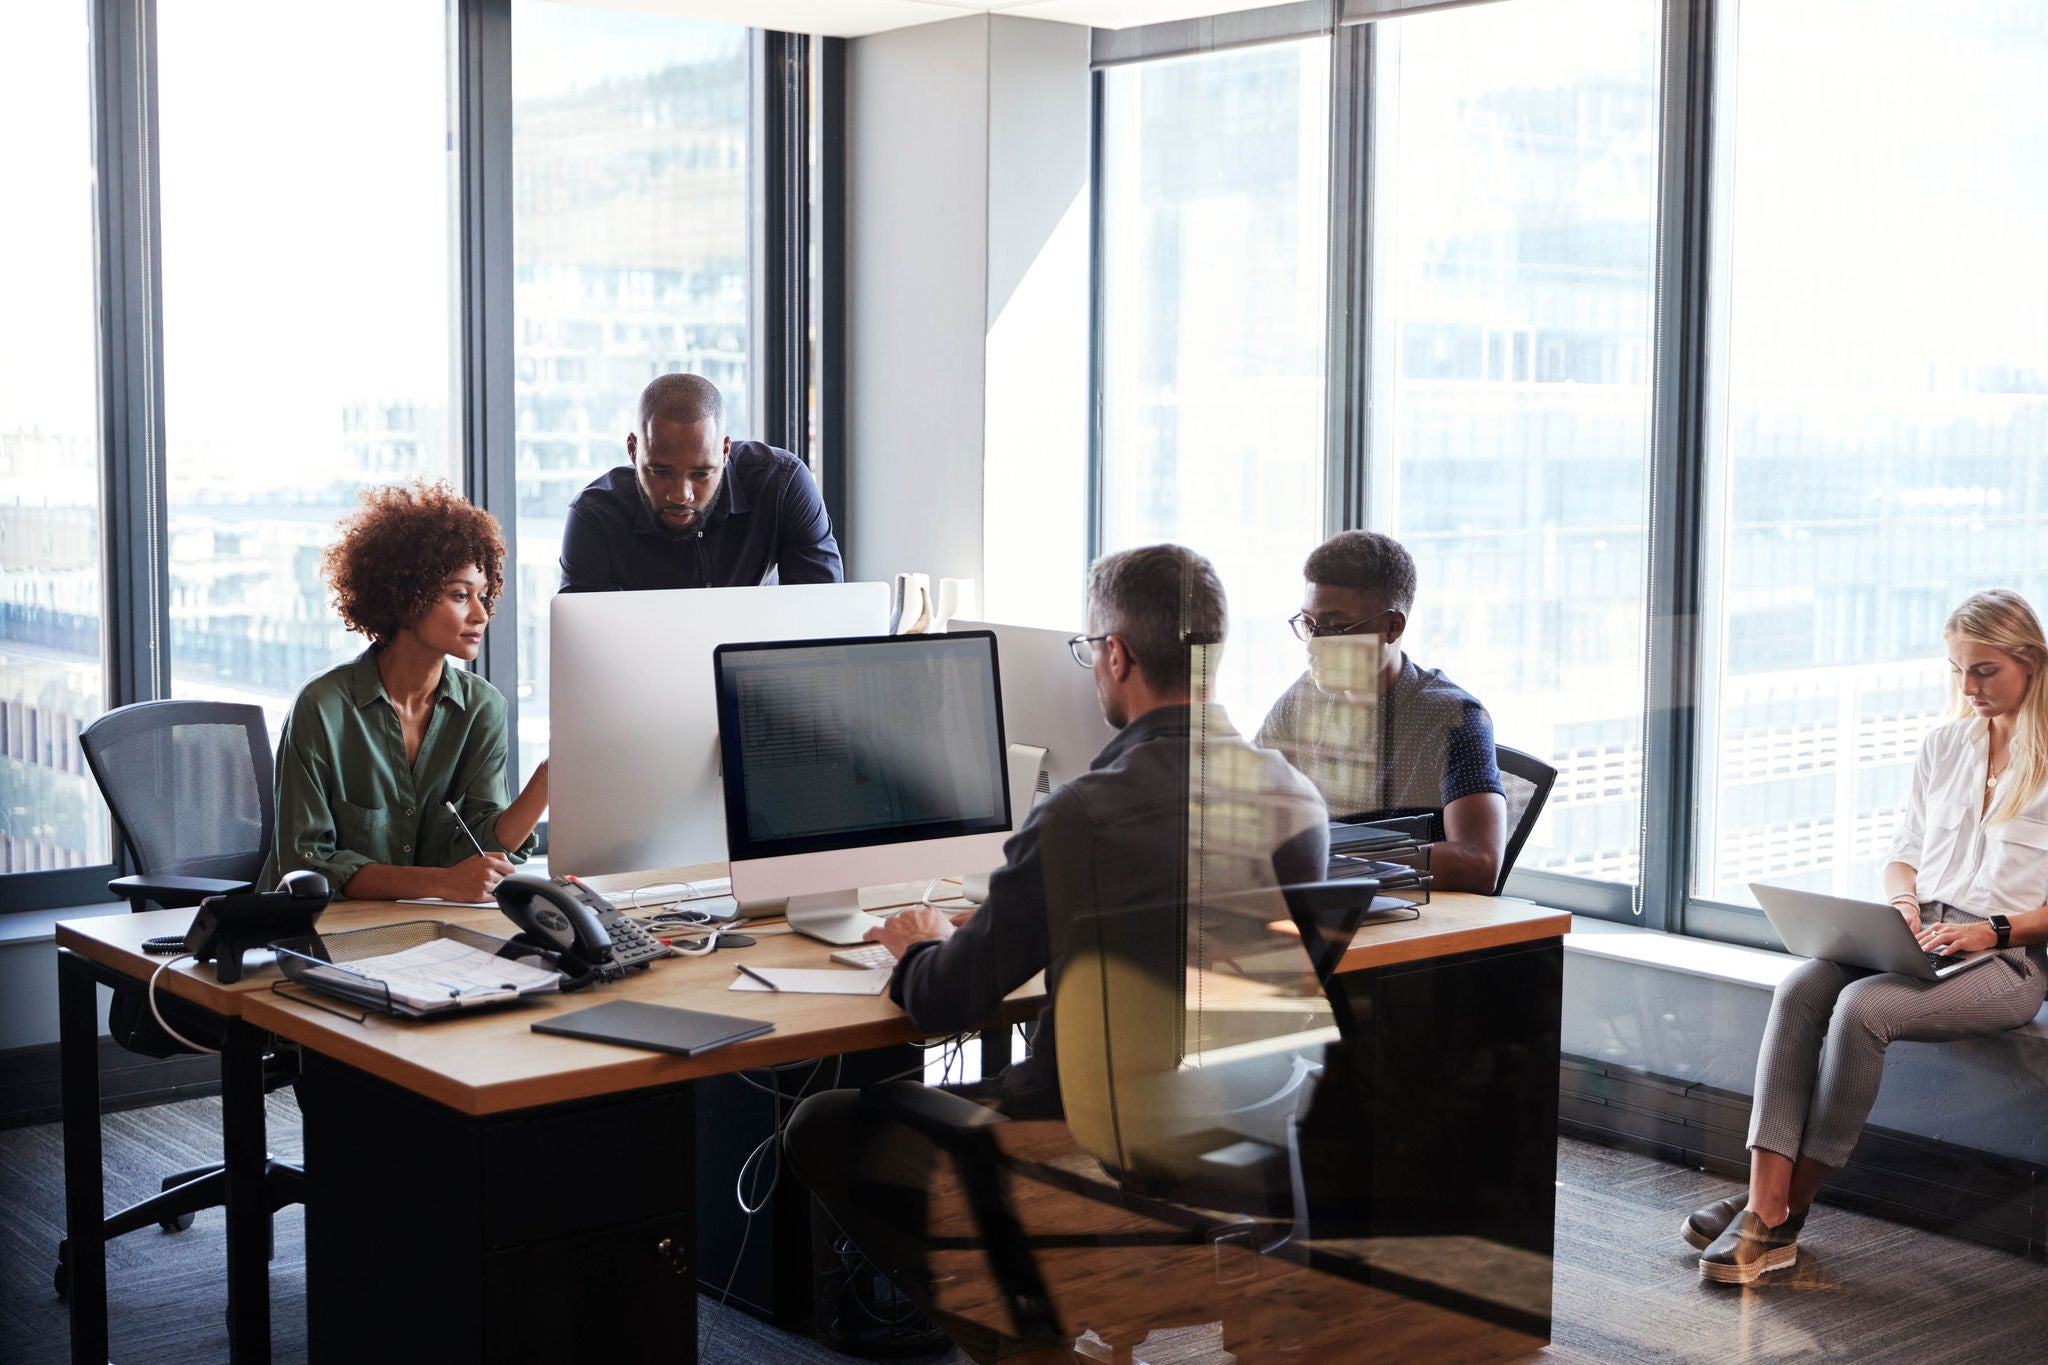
[{"x": 2004, "y": 928}]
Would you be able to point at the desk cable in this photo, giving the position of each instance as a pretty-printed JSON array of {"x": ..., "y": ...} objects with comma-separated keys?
[
  {"x": 164, "y": 1023},
  {"x": 771, "y": 1147}
]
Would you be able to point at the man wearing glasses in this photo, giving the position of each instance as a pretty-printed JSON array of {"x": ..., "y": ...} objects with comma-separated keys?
[
  {"x": 1113, "y": 845},
  {"x": 1379, "y": 736}
]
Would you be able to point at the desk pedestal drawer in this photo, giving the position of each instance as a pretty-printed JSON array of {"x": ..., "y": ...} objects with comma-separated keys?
[{"x": 432, "y": 1234}]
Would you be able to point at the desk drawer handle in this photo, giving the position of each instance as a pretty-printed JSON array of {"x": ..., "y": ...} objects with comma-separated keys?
[{"x": 677, "y": 1258}]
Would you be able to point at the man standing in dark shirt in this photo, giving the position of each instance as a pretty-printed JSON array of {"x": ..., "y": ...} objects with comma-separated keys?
[
  {"x": 1127, "y": 839},
  {"x": 695, "y": 509},
  {"x": 1379, "y": 736}
]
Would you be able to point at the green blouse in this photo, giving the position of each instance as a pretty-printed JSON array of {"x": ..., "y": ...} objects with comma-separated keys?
[{"x": 346, "y": 798}]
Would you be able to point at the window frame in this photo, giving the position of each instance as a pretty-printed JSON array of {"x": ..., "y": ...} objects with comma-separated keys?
[
  {"x": 133, "y": 487},
  {"x": 1680, "y": 334}
]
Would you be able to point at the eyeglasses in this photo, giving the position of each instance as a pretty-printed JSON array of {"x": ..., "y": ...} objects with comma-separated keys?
[
  {"x": 1305, "y": 627},
  {"x": 1083, "y": 647}
]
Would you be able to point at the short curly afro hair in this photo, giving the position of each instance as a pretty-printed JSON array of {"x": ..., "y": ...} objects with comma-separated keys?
[{"x": 397, "y": 553}]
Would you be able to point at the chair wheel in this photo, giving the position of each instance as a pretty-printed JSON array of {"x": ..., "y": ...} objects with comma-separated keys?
[
  {"x": 61, "y": 1280},
  {"x": 177, "y": 1224}
]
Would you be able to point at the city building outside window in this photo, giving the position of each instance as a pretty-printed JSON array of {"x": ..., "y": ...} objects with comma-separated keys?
[
  {"x": 307, "y": 304},
  {"x": 1515, "y": 214},
  {"x": 52, "y": 645},
  {"x": 630, "y": 222},
  {"x": 1879, "y": 410},
  {"x": 1215, "y": 212}
]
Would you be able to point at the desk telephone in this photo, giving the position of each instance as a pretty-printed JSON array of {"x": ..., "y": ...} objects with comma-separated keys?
[
  {"x": 228, "y": 926},
  {"x": 595, "y": 939}
]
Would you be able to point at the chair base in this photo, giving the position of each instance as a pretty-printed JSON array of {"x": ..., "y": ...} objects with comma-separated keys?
[{"x": 185, "y": 1194}]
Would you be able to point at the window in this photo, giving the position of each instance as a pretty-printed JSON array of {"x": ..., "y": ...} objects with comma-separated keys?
[
  {"x": 629, "y": 157},
  {"x": 1214, "y": 203},
  {"x": 52, "y": 654},
  {"x": 307, "y": 254},
  {"x": 1516, "y": 207},
  {"x": 1879, "y": 414}
]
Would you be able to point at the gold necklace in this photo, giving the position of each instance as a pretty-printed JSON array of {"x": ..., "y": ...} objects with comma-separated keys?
[{"x": 1990, "y": 777}]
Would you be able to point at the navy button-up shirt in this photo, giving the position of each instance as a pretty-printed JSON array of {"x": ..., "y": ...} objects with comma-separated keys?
[{"x": 766, "y": 524}]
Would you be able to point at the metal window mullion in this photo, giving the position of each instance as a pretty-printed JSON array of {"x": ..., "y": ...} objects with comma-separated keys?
[
  {"x": 134, "y": 488},
  {"x": 484, "y": 334},
  {"x": 1097, "y": 98},
  {"x": 778, "y": 173},
  {"x": 1348, "y": 349},
  {"x": 831, "y": 377},
  {"x": 1677, "y": 465}
]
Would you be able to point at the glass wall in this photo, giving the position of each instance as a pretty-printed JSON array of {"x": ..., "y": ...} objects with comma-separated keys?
[
  {"x": 52, "y": 657},
  {"x": 1215, "y": 210},
  {"x": 1513, "y": 294},
  {"x": 1880, "y": 413},
  {"x": 630, "y": 222},
  {"x": 308, "y": 313}
]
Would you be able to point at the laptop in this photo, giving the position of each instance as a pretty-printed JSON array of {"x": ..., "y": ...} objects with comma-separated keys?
[{"x": 1856, "y": 933}]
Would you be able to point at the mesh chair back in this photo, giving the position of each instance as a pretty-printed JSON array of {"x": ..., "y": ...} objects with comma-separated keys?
[
  {"x": 1528, "y": 780},
  {"x": 189, "y": 785}
]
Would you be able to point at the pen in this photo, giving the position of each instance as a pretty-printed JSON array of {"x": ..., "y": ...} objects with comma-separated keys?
[
  {"x": 465, "y": 829},
  {"x": 754, "y": 975}
]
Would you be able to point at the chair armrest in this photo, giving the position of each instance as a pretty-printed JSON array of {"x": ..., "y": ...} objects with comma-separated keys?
[{"x": 172, "y": 892}]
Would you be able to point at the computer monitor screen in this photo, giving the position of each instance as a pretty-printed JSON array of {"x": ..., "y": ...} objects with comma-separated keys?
[
  {"x": 634, "y": 772},
  {"x": 844, "y": 744}
]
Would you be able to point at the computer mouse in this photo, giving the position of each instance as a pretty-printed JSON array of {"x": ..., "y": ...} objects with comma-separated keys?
[{"x": 974, "y": 888}]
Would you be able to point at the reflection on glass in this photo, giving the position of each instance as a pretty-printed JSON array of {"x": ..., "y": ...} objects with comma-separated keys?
[
  {"x": 51, "y": 663},
  {"x": 307, "y": 314},
  {"x": 1517, "y": 179},
  {"x": 1215, "y": 184},
  {"x": 629, "y": 161},
  {"x": 1881, "y": 413}
]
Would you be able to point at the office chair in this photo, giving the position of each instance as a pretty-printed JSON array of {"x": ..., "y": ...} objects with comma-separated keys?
[
  {"x": 1528, "y": 780},
  {"x": 1142, "y": 1133},
  {"x": 189, "y": 786}
]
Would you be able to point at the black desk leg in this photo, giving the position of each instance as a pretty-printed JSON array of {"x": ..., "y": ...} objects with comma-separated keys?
[
  {"x": 78, "y": 1033},
  {"x": 248, "y": 1195},
  {"x": 996, "y": 1053}
]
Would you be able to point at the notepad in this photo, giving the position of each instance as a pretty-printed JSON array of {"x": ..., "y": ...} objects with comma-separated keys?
[
  {"x": 817, "y": 981},
  {"x": 658, "y": 1028}
]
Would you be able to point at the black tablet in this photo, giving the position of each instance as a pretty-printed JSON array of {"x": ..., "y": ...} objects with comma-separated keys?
[{"x": 659, "y": 1028}]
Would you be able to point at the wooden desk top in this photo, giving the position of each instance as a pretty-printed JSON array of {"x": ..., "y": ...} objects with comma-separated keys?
[
  {"x": 1453, "y": 922},
  {"x": 493, "y": 1062}
]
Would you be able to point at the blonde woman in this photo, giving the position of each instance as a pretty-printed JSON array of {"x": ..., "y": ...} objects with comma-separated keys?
[{"x": 1968, "y": 870}]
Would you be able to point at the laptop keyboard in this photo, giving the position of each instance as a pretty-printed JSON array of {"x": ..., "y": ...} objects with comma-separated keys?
[{"x": 1937, "y": 961}]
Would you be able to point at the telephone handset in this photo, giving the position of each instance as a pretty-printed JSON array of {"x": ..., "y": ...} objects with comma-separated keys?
[
  {"x": 595, "y": 939},
  {"x": 228, "y": 926}
]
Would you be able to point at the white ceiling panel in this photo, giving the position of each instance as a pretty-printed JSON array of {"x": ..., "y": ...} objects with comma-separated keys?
[{"x": 857, "y": 18}]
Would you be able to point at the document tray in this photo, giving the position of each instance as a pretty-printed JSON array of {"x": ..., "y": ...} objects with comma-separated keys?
[{"x": 417, "y": 969}]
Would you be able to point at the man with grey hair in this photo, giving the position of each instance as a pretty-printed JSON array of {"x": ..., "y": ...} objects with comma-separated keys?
[
  {"x": 1121, "y": 840},
  {"x": 692, "y": 508}
]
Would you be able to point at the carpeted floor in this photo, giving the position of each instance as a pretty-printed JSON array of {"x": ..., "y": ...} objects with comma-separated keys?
[{"x": 1626, "y": 1289}]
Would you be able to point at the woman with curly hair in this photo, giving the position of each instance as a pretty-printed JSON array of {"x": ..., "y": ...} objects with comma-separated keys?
[{"x": 376, "y": 748}]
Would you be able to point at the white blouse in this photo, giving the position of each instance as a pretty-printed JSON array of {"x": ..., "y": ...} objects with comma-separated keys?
[{"x": 1999, "y": 868}]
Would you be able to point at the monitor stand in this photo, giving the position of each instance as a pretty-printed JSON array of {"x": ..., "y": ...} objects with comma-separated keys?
[{"x": 833, "y": 916}]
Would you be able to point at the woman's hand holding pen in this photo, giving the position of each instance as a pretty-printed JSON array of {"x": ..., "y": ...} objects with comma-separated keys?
[{"x": 475, "y": 877}]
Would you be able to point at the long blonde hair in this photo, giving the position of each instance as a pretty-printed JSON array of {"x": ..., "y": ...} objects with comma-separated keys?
[{"x": 2001, "y": 618}]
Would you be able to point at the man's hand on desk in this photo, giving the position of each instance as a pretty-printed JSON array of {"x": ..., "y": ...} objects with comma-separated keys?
[{"x": 915, "y": 925}]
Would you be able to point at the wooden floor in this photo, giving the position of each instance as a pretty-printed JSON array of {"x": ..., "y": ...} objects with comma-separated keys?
[{"x": 1625, "y": 1288}]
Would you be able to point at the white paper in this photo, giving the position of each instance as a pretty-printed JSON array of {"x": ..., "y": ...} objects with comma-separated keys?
[
  {"x": 442, "y": 973},
  {"x": 436, "y": 900},
  {"x": 816, "y": 980}
]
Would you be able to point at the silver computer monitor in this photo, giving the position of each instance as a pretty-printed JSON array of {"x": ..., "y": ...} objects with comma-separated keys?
[
  {"x": 1049, "y": 701},
  {"x": 859, "y": 762},
  {"x": 633, "y": 768}
]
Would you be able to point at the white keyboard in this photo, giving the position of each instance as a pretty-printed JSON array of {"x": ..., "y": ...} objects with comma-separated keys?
[{"x": 867, "y": 955}]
